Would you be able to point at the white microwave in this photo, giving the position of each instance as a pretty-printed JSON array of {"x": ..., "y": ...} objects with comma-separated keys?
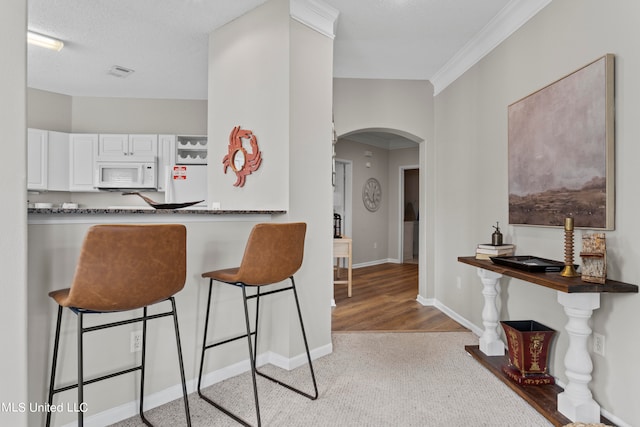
[{"x": 139, "y": 173}]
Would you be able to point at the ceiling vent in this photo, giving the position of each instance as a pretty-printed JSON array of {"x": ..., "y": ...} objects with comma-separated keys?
[{"x": 119, "y": 71}]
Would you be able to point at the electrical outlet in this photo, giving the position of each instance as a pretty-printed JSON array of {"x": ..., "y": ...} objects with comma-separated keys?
[
  {"x": 598, "y": 344},
  {"x": 458, "y": 282},
  {"x": 375, "y": 245},
  {"x": 136, "y": 341}
]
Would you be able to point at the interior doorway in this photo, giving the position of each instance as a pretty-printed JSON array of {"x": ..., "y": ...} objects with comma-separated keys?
[
  {"x": 409, "y": 214},
  {"x": 342, "y": 194}
]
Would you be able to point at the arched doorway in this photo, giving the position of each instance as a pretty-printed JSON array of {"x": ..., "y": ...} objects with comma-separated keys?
[{"x": 383, "y": 155}]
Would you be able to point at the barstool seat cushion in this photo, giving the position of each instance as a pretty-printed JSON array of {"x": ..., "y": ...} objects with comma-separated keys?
[
  {"x": 123, "y": 267},
  {"x": 273, "y": 253},
  {"x": 228, "y": 275}
]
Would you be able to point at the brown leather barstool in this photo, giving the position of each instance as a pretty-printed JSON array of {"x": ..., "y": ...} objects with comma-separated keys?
[
  {"x": 273, "y": 254},
  {"x": 122, "y": 268}
]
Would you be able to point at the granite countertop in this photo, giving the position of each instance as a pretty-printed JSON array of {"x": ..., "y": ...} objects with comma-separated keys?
[{"x": 148, "y": 211}]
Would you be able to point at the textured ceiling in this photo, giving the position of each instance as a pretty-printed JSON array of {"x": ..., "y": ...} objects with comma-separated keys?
[{"x": 165, "y": 41}]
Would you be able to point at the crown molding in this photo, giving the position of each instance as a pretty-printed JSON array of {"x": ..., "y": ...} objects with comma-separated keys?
[
  {"x": 514, "y": 15},
  {"x": 316, "y": 15}
]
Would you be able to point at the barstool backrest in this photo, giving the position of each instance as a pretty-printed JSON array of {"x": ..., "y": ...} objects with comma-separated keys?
[
  {"x": 273, "y": 253},
  {"x": 123, "y": 266}
]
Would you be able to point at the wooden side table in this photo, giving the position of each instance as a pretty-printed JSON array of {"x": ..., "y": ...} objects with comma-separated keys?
[{"x": 342, "y": 248}]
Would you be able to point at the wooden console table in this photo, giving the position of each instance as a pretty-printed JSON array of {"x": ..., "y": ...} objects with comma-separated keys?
[{"x": 579, "y": 299}]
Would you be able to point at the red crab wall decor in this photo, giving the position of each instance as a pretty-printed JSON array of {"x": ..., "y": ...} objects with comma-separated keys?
[{"x": 241, "y": 161}]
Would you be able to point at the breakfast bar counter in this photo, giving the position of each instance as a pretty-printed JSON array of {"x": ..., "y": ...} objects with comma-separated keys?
[{"x": 143, "y": 214}]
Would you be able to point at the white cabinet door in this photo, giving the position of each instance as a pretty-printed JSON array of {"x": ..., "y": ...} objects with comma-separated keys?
[
  {"x": 166, "y": 159},
  {"x": 143, "y": 145},
  {"x": 119, "y": 146},
  {"x": 82, "y": 151},
  {"x": 113, "y": 145},
  {"x": 58, "y": 161},
  {"x": 37, "y": 159}
]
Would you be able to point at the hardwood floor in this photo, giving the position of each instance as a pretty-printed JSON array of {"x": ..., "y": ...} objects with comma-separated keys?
[{"x": 384, "y": 299}]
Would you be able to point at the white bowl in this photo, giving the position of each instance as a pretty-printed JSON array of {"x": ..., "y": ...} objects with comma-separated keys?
[{"x": 42, "y": 205}]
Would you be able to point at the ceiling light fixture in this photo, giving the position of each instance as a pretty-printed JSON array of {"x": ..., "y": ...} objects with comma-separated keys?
[{"x": 44, "y": 41}]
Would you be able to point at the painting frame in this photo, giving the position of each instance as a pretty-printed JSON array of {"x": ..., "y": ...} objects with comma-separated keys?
[{"x": 561, "y": 146}]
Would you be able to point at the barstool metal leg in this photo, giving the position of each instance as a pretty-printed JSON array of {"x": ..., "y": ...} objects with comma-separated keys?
[
  {"x": 257, "y": 321},
  {"x": 313, "y": 396},
  {"x": 180, "y": 361},
  {"x": 304, "y": 338},
  {"x": 252, "y": 355},
  {"x": 54, "y": 364},
  {"x": 142, "y": 365},
  {"x": 204, "y": 339},
  {"x": 80, "y": 370},
  {"x": 207, "y": 347}
]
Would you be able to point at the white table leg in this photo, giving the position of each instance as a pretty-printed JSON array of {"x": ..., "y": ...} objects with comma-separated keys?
[
  {"x": 576, "y": 402},
  {"x": 490, "y": 342}
]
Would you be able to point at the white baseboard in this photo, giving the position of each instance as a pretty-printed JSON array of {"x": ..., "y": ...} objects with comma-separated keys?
[
  {"x": 130, "y": 409},
  {"x": 452, "y": 314},
  {"x": 427, "y": 302},
  {"x": 376, "y": 262}
]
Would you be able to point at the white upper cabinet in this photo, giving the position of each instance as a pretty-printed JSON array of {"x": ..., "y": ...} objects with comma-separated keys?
[
  {"x": 37, "y": 165},
  {"x": 82, "y": 149},
  {"x": 113, "y": 145},
  {"x": 58, "y": 161},
  {"x": 143, "y": 145},
  {"x": 47, "y": 160},
  {"x": 118, "y": 146}
]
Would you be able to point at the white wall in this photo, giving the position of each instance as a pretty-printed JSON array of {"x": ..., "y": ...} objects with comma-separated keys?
[
  {"x": 82, "y": 114},
  {"x": 131, "y": 115},
  {"x": 249, "y": 87},
  {"x": 310, "y": 190},
  {"x": 13, "y": 228},
  {"x": 48, "y": 110},
  {"x": 471, "y": 177}
]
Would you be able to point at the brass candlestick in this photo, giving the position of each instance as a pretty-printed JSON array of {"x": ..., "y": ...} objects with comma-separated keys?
[{"x": 569, "y": 270}]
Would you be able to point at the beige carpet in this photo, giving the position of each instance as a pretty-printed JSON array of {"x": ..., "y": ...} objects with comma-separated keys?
[{"x": 371, "y": 379}]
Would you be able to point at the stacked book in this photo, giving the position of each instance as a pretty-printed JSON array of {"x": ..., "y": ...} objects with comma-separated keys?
[{"x": 486, "y": 251}]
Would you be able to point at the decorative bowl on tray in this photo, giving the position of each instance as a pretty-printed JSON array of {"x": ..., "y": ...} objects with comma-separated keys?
[{"x": 157, "y": 205}]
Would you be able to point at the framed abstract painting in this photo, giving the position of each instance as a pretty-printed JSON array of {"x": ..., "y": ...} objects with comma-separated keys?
[{"x": 561, "y": 151}]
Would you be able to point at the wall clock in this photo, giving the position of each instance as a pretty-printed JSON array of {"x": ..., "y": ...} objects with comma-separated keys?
[
  {"x": 371, "y": 194},
  {"x": 241, "y": 161}
]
